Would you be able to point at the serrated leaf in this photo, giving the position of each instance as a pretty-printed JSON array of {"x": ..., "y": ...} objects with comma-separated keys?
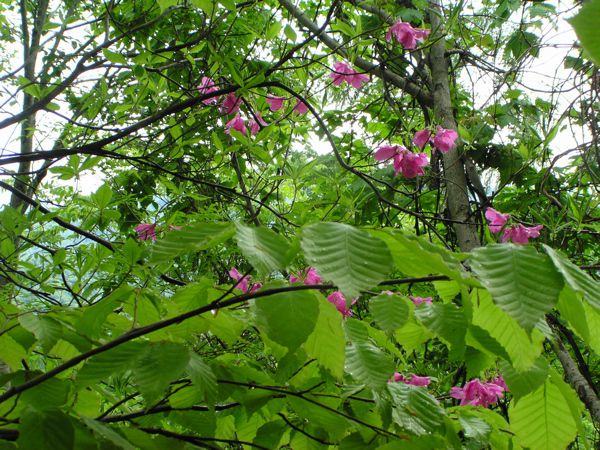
[
  {"x": 369, "y": 365},
  {"x": 414, "y": 409},
  {"x": 390, "y": 312},
  {"x": 523, "y": 282},
  {"x": 480, "y": 339},
  {"x": 349, "y": 257},
  {"x": 587, "y": 27},
  {"x": 191, "y": 238},
  {"x": 50, "y": 394},
  {"x": 542, "y": 420},
  {"x": 522, "y": 348},
  {"x": 11, "y": 352},
  {"x": 203, "y": 378},
  {"x": 521, "y": 383},
  {"x": 47, "y": 330},
  {"x": 327, "y": 342},
  {"x": 161, "y": 363},
  {"x": 576, "y": 278},
  {"x": 417, "y": 257},
  {"x": 94, "y": 316},
  {"x": 265, "y": 250},
  {"x": 289, "y": 318},
  {"x": 112, "y": 362},
  {"x": 45, "y": 430},
  {"x": 448, "y": 322},
  {"x": 107, "y": 433}
]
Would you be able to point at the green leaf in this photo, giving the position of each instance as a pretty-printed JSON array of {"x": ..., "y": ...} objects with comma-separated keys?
[
  {"x": 267, "y": 251},
  {"x": 576, "y": 278},
  {"x": 203, "y": 378},
  {"x": 390, "y": 312},
  {"x": 47, "y": 330},
  {"x": 481, "y": 339},
  {"x": 448, "y": 322},
  {"x": 522, "y": 348},
  {"x": 102, "y": 196},
  {"x": 192, "y": 238},
  {"x": 161, "y": 363},
  {"x": 542, "y": 419},
  {"x": 587, "y": 26},
  {"x": 327, "y": 342},
  {"x": 50, "y": 394},
  {"x": 416, "y": 257},
  {"x": 114, "y": 56},
  {"x": 369, "y": 365},
  {"x": 290, "y": 33},
  {"x": 349, "y": 257},
  {"x": 289, "y": 318},
  {"x": 11, "y": 352},
  {"x": 523, "y": 282},
  {"x": 521, "y": 383},
  {"x": 414, "y": 409},
  {"x": 112, "y": 362},
  {"x": 107, "y": 433},
  {"x": 94, "y": 316},
  {"x": 45, "y": 430}
]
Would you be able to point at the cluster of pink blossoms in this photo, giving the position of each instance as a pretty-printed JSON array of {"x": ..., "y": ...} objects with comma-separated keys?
[
  {"x": 146, "y": 231},
  {"x": 344, "y": 73},
  {"x": 414, "y": 380},
  {"x": 519, "y": 234},
  {"x": 231, "y": 105},
  {"x": 339, "y": 301},
  {"x": 406, "y": 35},
  {"x": 243, "y": 282},
  {"x": 477, "y": 393},
  {"x": 411, "y": 164},
  {"x": 311, "y": 276}
]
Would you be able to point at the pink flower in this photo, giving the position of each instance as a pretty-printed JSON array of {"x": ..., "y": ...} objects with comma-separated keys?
[
  {"x": 496, "y": 219},
  {"x": 243, "y": 282},
  {"x": 406, "y": 34},
  {"x": 300, "y": 108},
  {"x": 343, "y": 72},
  {"x": 414, "y": 380},
  {"x": 237, "y": 123},
  {"x": 256, "y": 124},
  {"x": 408, "y": 163},
  {"x": 520, "y": 234},
  {"x": 477, "y": 393},
  {"x": 339, "y": 301},
  {"x": 411, "y": 164},
  {"x": 421, "y": 138},
  {"x": 207, "y": 85},
  {"x": 231, "y": 104},
  {"x": 445, "y": 140},
  {"x": 499, "y": 380},
  {"x": 275, "y": 103},
  {"x": 418, "y": 300},
  {"x": 311, "y": 277},
  {"x": 146, "y": 231}
]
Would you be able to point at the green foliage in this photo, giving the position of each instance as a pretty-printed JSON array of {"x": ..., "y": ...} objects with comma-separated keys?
[{"x": 586, "y": 26}]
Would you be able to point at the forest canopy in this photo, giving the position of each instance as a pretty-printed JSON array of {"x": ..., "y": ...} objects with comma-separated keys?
[{"x": 299, "y": 224}]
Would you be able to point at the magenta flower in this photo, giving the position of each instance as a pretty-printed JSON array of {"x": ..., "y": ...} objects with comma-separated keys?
[
  {"x": 275, "y": 103},
  {"x": 408, "y": 163},
  {"x": 445, "y": 140},
  {"x": 238, "y": 124},
  {"x": 520, "y": 234},
  {"x": 499, "y": 380},
  {"x": 343, "y": 72},
  {"x": 339, "y": 301},
  {"x": 146, "y": 231},
  {"x": 243, "y": 282},
  {"x": 406, "y": 34},
  {"x": 300, "y": 108},
  {"x": 496, "y": 219},
  {"x": 207, "y": 86},
  {"x": 411, "y": 164},
  {"x": 231, "y": 104},
  {"x": 421, "y": 138},
  {"x": 311, "y": 277},
  {"x": 477, "y": 393},
  {"x": 418, "y": 300},
  {"x": 256, "y": 124},
  {"x": 414, "y": 380}
]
